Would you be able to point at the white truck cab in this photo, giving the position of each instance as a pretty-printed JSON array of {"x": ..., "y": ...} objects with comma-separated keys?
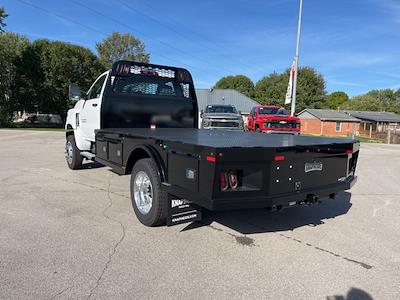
[
  {"x": 130, "y": 95},
  {"x": 84, "y": 118}
]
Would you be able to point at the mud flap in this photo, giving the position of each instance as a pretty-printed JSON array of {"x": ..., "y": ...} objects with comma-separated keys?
[{"x": 182, "y": 211}]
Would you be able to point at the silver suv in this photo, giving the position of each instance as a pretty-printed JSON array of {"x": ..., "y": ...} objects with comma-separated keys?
[{"x": 221, "y": 117}]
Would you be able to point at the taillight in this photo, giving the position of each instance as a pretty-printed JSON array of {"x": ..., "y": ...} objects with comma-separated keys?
[
  {"x": 228, "y": 180},
  {"x": 233, "y": 181},
  {"x": 239, "y": 180},
  {"x": 223, "y": 181}
]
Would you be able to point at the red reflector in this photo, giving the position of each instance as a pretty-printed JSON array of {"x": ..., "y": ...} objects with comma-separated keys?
[
  {"x": 349, "y": 151},
  {"x": 279, "y": 158},
  {"x": 211, "y": 158}
]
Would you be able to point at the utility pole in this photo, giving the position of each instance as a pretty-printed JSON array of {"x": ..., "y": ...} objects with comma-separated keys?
[{"x": 296, "y": 63}]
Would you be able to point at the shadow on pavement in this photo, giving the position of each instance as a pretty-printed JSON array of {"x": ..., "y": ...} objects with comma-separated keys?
[
  {"x": 91, "y": 165},
  {"x": 353, "y": 294},
  {"x": 262, "y": 220}
]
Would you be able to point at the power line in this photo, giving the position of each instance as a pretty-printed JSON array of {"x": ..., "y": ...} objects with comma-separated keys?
[
  {"x": 48, "y": 12},
  {"x": 61, "y": 17},
  {"x": 203, "y": 37},
  {"x": 142, "y": 33}
]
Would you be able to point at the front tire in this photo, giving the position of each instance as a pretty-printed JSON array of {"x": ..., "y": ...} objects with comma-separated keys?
[
  {"x": 149, "y": 201},
  {"x": 72, "y": 154}
]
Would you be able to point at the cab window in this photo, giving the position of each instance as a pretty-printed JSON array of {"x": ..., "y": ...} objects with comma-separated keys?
[
  {"x": 95, "y": 92},
  {"x": 149, "y": 86}
]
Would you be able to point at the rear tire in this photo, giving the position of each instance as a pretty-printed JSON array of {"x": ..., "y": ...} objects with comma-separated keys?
[
  {"x": 149, "y": 201},
  {"x": 72, "y": 154}
]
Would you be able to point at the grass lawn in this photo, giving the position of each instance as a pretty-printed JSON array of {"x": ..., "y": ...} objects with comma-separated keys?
[
  {"x": 368, "y": 140},
  {"x": 37, "y": 129}
]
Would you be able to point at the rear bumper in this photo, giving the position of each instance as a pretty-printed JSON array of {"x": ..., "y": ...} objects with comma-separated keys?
[
  {"x": 282, "y": 200},
  {"x": 276, "y": 201}
]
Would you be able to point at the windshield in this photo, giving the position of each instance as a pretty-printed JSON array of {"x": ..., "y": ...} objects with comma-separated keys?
[
  {"x": 272, "y": 111},
  {"x": 149, "y": 85},
  {"x": 224, "y": 109}
]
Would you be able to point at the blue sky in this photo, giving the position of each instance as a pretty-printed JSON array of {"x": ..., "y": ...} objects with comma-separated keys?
[{"x": 355, "y": 44}]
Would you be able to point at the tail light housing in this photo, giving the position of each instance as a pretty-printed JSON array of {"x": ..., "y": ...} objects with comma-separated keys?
[
  {"x": 228, "y": 180},
  {"x": 352, "y": 163},
  {"x": 240, "y": 180}
]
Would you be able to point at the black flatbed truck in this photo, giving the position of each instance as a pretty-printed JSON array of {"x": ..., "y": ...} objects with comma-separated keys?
[
  {"x": 178, "y": 171},
  {"x": 272, "y": 166}
]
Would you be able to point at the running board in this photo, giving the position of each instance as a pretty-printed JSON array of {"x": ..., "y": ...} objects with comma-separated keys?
[{"x": 88, "y": 155}]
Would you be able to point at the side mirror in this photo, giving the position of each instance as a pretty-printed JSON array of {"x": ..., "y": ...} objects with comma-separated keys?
[
  {"x": 239, "y": 112},
  {"x": 74, "y": 92},
  {"x": 201, "y": 113}
]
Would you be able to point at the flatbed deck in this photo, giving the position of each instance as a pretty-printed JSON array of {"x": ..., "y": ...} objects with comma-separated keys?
[{"x": 225, "y": 138}]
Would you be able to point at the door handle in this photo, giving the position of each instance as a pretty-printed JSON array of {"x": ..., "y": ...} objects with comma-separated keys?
[{"x": 94, "y": 104}]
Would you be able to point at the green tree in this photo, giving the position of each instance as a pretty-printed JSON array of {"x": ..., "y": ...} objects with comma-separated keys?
[
  {"x": 60, "y": 64},
  {"x": 28, "y": 79},
  {"x": 363, "y": 103},
  {"x": 240, "y": 83},
  {"x": 121, "y": 46},
  {"x": 311, "y": 91},
  {"x": 3, "y": 15},
  {"x": 376, "y": 100},
  {"x": 336, "y": 100},
  {"x": 11, "y": 47},
  {"x": 271, "y": 89}
]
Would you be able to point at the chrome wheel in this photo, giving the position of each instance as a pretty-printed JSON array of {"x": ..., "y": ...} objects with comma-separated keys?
[
  {"x": 143, "y": 192},
  {"x": 69, "y": 151}
]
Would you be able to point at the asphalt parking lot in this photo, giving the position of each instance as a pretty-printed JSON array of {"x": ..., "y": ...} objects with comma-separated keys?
[{"x": 73, "y": 235}]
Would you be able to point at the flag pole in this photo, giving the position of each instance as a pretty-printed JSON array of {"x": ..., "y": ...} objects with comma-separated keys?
[{"x": 296, "y": 67}]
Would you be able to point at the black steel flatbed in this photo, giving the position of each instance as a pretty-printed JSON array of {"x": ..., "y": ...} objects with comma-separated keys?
[
  {"x": 272, "y": 166},
  {"x": 225, "y": 138}
]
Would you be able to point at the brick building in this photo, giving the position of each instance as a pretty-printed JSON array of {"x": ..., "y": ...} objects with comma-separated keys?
[
  {"x": 328, "y": 122},
  {"x": 375, "y": 123}
]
